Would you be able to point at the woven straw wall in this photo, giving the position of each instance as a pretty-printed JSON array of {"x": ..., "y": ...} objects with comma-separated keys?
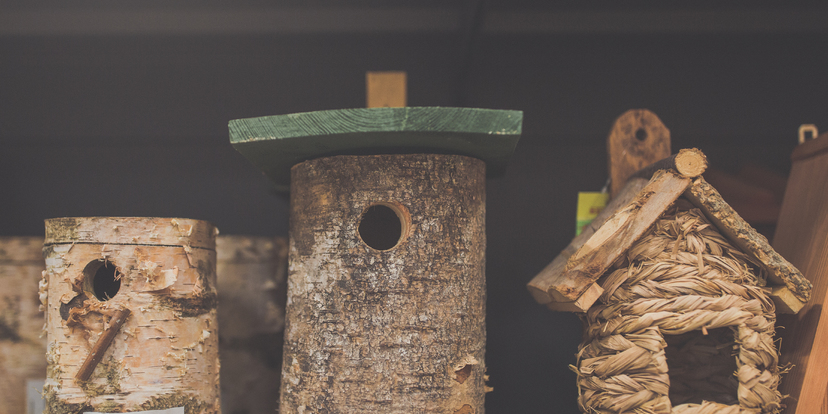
[{"x": 684, "y": 326}]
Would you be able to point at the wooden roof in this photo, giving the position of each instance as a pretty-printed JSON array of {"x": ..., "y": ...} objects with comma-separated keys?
[{"x": 568, "y": 283}]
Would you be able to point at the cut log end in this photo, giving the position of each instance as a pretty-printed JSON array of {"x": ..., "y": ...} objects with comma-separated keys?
[{"x": 691, "y": 162}]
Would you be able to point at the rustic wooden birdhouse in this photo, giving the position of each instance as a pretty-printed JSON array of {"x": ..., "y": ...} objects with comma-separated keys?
[
  {"x": 679, "y": 296},
  {"x": 131, "y": 315},
  {"x": 252, "y": 273},
  {"x": 386, "y": 287},
  {"x": 21, "y": 321}
]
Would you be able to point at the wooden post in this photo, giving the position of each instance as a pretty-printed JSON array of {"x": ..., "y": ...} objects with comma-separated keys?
[
  {"x": 386, "y": 89},
  {"x": 386, "y": 289},
  {"x": 154, "y": 276},
  {"x": 252, "y": 272},
  {"x": 22, "y": 349},
  {"x": 801, "y": 237}
]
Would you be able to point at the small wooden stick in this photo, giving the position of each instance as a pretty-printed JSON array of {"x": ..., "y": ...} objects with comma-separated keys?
[{"x": 102, "y": 345}]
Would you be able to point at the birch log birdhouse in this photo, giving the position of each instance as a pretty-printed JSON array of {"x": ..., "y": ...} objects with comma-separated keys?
[
  {"x": 131, "y": 315},
  {"x": 386, "y": 287},
  {"x": 22, "y": 347},
  {"x": 680, "y": 297}
]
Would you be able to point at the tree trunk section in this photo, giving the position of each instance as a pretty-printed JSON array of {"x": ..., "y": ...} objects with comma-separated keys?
[
  {"x": 166, "y": 353},
  {"x": 252, "y": 273},
  {"x": 22, "y": 349},
  {"x": 398, "y": 327}
]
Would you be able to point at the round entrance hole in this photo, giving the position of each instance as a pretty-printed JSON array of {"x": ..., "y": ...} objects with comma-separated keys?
[
  {"x": 382, "y": 226},
  {"x": 103, "y": 279},
  {"x": 641, "y": 134}
]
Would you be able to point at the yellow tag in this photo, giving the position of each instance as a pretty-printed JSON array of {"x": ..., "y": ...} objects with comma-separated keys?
[{"x": 589, "y": 205}]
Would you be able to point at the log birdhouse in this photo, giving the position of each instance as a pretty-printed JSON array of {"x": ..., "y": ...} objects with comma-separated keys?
[
  {"x": 21, "y": 321},
  {"x": 131, "y": 315},
  {"x": 251, "y": 273},
  {"x": 386, "y": 287},
  {"x": 680, "y": 298}
]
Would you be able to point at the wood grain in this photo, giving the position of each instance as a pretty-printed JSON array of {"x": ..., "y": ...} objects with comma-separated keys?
[
  {"x": 251, "y": 275},
  {"x": 166, "y": 353},
  {"x": 543, "y": 286},
  {"x": 780, "y": 271},
  {"x": 22, "y": 347},
  {"x": 370, "y": 330},
  {"x": 385, "y": 89},
  {"x": 638, "y": 138},
  {"x": 274, "y": 144},
  {"x": 801, "y": 238},
  {"x": 568, "y": 278}
]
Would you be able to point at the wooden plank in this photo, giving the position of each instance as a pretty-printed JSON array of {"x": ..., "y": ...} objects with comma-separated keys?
[
  {"x": 385, "y": 89},
  {"x": 801, "y": 238},
  {"x": 690, "y": 163},
  {"x": 638, "y": 138},
  {"x": 274, "y": 144},
  {"x": 614, "y": 237},
  {"x": 813, "y": 397},
  {"x": 543, "y": 285},
  {"x": 742, "y": 235},
  {"x": 592, "y": 294}
]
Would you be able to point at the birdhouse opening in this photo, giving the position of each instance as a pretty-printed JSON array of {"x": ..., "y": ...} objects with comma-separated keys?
[
  {"x": 102, "y": 279},
  {"x": 641, "y": 134},
  {"x": 382, "y": 226},
  {"x": 702, "y": 367}
]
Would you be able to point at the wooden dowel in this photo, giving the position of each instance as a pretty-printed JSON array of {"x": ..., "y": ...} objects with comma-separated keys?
[{"x": 102, "y": 345}]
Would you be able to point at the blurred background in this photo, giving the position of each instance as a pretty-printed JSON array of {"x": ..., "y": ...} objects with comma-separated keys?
[{"x": 120, "y": 108}]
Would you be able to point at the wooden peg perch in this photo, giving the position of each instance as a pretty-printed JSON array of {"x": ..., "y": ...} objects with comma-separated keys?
[{"x": 98, "y": 351}]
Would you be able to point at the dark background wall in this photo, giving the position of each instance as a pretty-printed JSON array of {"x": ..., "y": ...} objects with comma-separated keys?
[{"x": 122, "y": 111}]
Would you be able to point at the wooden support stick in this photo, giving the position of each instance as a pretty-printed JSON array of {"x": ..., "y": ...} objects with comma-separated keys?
[{"x": 103, "y": 343}]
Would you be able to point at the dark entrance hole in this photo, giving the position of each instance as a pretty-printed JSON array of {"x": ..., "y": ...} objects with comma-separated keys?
[
  {"x": 105, "y": 281},
  {"x": 701, "y": 367},
  {"x": 640, "y": 134},
  {"x": 381, "y": 227}
]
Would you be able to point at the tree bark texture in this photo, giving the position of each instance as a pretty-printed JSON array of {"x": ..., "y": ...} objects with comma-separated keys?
[
  {"x": 252, "y": 273},
  {"x": 166, "y": 353},
  {"x": 398, "y": 330},
  {"x": 22, "y": 349}
]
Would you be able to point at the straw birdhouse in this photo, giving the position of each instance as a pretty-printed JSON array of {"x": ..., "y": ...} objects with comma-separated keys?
[{"x": 679, "y": 297}]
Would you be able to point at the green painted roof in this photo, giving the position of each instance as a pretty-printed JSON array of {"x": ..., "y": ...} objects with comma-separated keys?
[{"x": 274, "y": 144}]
